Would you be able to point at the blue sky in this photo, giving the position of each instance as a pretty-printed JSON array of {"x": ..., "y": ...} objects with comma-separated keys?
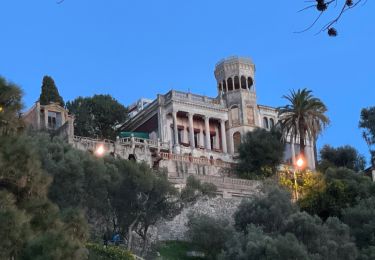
[{"x": 133, "y": 49}]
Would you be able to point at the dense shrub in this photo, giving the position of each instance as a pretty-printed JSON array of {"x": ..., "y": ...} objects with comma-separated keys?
[
  {"x": 209, "y": 234},
  {"x": 268, "y": 212},
  {"x": 99, "y": 252}
]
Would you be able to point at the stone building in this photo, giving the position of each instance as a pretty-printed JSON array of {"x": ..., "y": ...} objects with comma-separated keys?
[
  {"x": 51, "y": 117},
  {"x": 206, "y": 129},
  {"x": 188, "y": 134}
]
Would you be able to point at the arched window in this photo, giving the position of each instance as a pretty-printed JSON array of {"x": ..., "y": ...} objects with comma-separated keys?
[
  {"x": 234, "y": 113},
  {"x": 236, "y": 141},
  {"x": 220, "y": 88},
  {"x": 249, "y": 82},
  {"x": 243, "y": 82},
  {"x": 250, "y": 115},
  {"x": 230, "y": 84},
  {"x": 272, "y": 123},
  {"x": 225, "y": 86},
  {"x": 265, "y": 122},
  {"x": 236, "y": 82}
]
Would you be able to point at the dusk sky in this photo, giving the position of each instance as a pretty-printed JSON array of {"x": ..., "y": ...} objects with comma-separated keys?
[{"x": 134, "y": 49}]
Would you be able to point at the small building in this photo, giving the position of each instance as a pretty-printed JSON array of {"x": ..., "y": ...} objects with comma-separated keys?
[{"x": 51, "y": 117}]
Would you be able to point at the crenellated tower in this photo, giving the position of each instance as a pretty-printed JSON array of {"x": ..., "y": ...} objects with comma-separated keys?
[{"x": 236, "y": 85}]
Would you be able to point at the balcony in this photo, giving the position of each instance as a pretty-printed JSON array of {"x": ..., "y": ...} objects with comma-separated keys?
[{"x": 193, "y": 98}]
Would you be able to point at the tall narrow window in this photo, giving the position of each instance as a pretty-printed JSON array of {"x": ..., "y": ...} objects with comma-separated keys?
[
  {"x": 236, "y": 82},
  {"x": 250, "y": 115},
  {"x": 52, "y": 121},
  {"x": 234, "y": 113},
  {"x": 225, "y": 86},
  {"x": 230, "y": 84},
  {"x": 236, "y": 141},
  {"x": 243, "y": 82},
  {"x": 249, "y": 82},
  {"x": 265, "y": 122}
]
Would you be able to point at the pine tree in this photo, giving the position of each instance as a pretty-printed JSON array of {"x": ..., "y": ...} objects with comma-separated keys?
[{"x": 50, "y": 93}]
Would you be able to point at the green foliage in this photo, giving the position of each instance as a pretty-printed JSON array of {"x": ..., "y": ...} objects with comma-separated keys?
[
  {"x": 344, "y": 156},
  {"x": 307, "y": 181},
  {"x": 367, "y": 123},
  {"x": 99, "y": 252},
  {"x": 117, "y": 193},
  {"x": 140, "y": 197},
  {"x": 176, "y": 250},
  {"x": 195, "y": 188},
  {"x": 53, "y": 245},
  {"x": 279, "y": 231},
  {"x": 10, "y": 107},
  {"x": 255, "y": 244},
  {"x": 209, "y": 234},
  {"x": 79, "y": 179},
  {"x": 260, "y": 153},
  {"x": 35, "y": 228},
  {"x": 329, "y": 240},
  {"x": 342, "y": 188},
  {"x": 361, "y": 220},
  {"x": 97, "y": 116},
  {"x": 50, "y": 92},
  {"x": 14, "y": 226},
  {"x": 304, "y": 116},
  {"x": 268, "y": 212}
]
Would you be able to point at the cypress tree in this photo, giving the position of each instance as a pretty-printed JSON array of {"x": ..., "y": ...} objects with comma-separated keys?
[{"x": 50, "y": 93}]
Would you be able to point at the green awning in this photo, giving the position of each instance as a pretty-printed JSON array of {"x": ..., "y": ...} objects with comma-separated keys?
[{"x": 134, "y": 134}]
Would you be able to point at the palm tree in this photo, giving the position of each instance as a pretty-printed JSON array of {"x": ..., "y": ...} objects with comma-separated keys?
[{"x": 303, "y": 117}]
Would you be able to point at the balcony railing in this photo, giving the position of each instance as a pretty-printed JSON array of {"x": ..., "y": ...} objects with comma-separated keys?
[
  {"x": 196, "y": 160},
  {"x": 204, "y": 100},
  {"x": 128, "y": 141}
]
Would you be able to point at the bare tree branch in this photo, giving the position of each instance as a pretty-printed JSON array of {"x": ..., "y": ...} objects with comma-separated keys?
[{"x": 322, "y": 6}]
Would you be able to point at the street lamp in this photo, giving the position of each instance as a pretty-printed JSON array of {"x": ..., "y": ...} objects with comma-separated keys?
[
  {"x": 299, "y": 163},
  {"x": 99, "y": 150}
]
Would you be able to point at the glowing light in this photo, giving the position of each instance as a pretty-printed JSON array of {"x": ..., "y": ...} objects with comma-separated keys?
[
  {"x": 1, "y": 109},
  {"x": 100, "y": 150},
  {"x": 300, "y": 162}
]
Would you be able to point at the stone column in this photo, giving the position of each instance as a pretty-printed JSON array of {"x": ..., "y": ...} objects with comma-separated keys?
[
  {"x": 208, "y": 135},
  {"x": 191, "y": 130},
  {"x": 223, "y": 136},
  {"x": 175, "y": 128},
  {"x": 45, "y": 118},
  {"x": 38, "y": 126}
]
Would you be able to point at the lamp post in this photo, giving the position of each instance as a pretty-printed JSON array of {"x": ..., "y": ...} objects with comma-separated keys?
[{"x": 300, "y": 162}]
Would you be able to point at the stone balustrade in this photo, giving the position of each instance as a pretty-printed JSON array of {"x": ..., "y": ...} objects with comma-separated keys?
[
  {"x": 203, "y": 100},
  {"x": 196, "y": 160},
  {"x": 129, "y": 141},
  {"x": 87, "y": 143}
]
